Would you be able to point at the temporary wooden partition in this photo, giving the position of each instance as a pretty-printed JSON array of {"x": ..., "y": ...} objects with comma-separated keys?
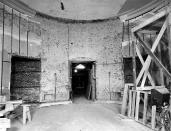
[{"x": 134, "y": 91}]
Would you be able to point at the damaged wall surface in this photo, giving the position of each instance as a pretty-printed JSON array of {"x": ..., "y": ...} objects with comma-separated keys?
[
  {"x": 13, "y": 35},
  {"x": 63, "y": 42},
  {"x": 57, "y": 43}
]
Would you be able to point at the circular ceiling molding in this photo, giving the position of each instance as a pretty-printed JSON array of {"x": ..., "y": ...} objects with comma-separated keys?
[{"x": 77, "y": 9}]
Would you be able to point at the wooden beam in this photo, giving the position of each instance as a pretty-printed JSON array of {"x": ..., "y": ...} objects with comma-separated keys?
[
  {"x": 161, "y": 72},
  {"x": 148, "y": 60},
  {"x": 125, "y": 98},
  {"x": 134, "y": 63},
  {"x": 130, "y": 103},
  {"x": 145, "y": 108},
  {"x": 151, "y": 20},
  {"x": 138, "y": 13},
  {"x": 151, "y": 32},
  {"x": 137, "y": 106},
  {"x": 144, "y": 78},
  {"x": 19, "y": 6},
  {"x": 124, "y": 101},
  {"x": 148, "y": 88},
  {"x": 169, "y": 38},
  {"x": 156, "y": 60},
  {"x": 134, "y": 75},
  {"x": 153, "y": 117},
  {"x": 133, "y": 104},
  {"x": 142, "y": 62}
]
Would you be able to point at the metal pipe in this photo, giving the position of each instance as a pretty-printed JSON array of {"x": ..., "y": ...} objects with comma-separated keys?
[
  {"x": 27, "y": 41},
  {"x": 19, "y": 31},
  {"x": 129, "y": 39},
  {"x": 55, "y": 87},
  {"x": 109, "y": 86},
  {"x": 2, "y": 47},
  {"x": 12, "y": 17},
  {"x": 27, "y": 35},
  {"x": 123, "y": 31}
]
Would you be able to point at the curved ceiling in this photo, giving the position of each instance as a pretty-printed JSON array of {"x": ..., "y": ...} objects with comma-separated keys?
[
  {"x": 77, "y": 9},
  {"x": 134, "y": 5}
]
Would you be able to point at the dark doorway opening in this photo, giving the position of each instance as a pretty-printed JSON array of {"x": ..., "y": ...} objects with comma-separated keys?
[
  {"x": 25, "y": 79},
  {"x": 83, "y": 80}
]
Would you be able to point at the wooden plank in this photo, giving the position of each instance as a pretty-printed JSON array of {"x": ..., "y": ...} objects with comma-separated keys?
[
  {"x": 4, "y": 123},
  {"x": 170, "y": 109},
  {"x": 149, "y": 92},
  {"x": 153, "y": 118},
  {"x": 151, "y": 20},
  {"x": 26, "y": 113},
  {"x": 134, "y": 15},
  {"x": 150, "y": 32},
  {"x": 19, "y": 6},
  {"x": 137, "y": 106},
  {"x": 130, "y": 103},
  {"x": 3, "y": 113},
  {"x": 161, "y": 72},
  {"x": 144, "y": 78},
  {"x": 125, "y": 99},
  {"x": 148, "y": 88},
  {"x": 134, "y": 63},
  {"x": 148, "y": 60},
  {"x": 165, "y": 71},
  {"x": 169, "y": 35},
  {"x": 145, "y": 66},
  {"x": 93, "y": 79},
  {"x": 55, "y": 103},
  {"x": 145, "y": 108},
  {"x": 133, "y": 104},
  {"x": 15, "y": 102}
]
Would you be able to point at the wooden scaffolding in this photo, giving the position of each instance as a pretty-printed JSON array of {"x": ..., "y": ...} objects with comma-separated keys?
[{"x": 156, "y": 22}]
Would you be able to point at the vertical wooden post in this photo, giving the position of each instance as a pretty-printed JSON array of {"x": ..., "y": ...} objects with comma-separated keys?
[
  {"x": 134, "y": 75},
  {"x": 55, "y": 87},
  {"x": 133, "y": 103},
  {"x": 93, "y": 82},
  {"x": 145, "y": 107},
  {"x": 161, "y": 72},
  {"x": 125, "y": 98},
  {"x": 137, "y": 106},
  {"x": 153, "y": 118},
  {"x": 169, "y": 38},
  {"x": 2, "y": 52},
  {"x": 26, "y": 113},
  {"x": 134, "y": 62},
  {"x": 130, "y": 103}
]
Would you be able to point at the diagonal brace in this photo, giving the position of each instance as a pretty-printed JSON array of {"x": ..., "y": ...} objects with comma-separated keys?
[
  {"x": 156, "y": 60},
  {"x": 148, "y": 60},
  {"x": 142, "y": 62}
]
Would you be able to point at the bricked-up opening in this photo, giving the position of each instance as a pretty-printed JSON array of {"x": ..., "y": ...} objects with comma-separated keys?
[
  {"x": 25, "y": 78},
  {"x": 82, "y": 80}
]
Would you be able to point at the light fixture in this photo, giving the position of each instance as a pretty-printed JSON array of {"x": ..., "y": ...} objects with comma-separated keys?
[
  {"x": 80, "y": 66},
  {"x": 75, "y": 70}
]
